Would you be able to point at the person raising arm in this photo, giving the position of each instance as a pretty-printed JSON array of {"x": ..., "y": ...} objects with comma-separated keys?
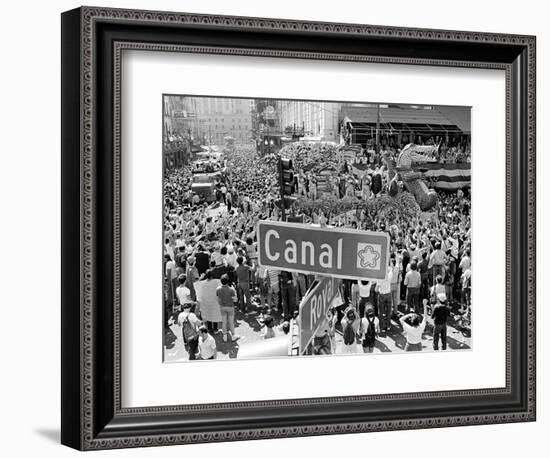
[{"x": 413, "y": 325}]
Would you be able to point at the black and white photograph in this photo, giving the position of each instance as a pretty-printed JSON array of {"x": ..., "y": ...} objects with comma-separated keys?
[
  {"x": 258, "y": 222},
  {"x": 307, "y": 228}
]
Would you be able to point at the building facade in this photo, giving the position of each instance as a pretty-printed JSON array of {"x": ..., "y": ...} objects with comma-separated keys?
[
  {"x": 208, "y": 120},
  {"x": 224, "y": 117},
  {"x": 178, "y": 132},
  {"x": 313, "y": 119}
]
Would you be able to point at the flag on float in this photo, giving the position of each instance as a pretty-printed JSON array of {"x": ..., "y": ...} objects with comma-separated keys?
[{"x": 448, "y": 177}]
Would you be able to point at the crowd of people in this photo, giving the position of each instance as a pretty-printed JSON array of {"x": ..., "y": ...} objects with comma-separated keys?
[{"x": 211, "y": 268}]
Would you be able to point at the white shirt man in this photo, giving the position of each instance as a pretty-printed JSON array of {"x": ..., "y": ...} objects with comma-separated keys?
[
  {"x": 231, "y": 258},
  {"x": 465, "y": 263},
  {"x": 384, "y": 286},
  {"x": 170, "y": 269},
  {"x": 207, "y": 345},
  {"x": 169, "y": 250},
  {"x": 184, "y": 294},
  {"x": 217, "y": 257},
  {"x": 413, "y": 333},
  {"x": 364, "y": 289}
]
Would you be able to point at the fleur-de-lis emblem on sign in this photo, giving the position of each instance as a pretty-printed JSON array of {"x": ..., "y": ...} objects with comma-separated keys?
[{"x": 368, "y": 257}]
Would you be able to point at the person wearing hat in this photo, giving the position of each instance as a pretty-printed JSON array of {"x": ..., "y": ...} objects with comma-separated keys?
[{"x": 440, "y": 314}]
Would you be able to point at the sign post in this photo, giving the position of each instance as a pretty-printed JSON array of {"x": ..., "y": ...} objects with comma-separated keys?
[
  {"x": 314, "y": 307},
  {"x": 329, "y": 251}
]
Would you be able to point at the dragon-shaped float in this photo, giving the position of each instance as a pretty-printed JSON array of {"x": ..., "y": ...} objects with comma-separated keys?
[{"x": 402, "y": 170}]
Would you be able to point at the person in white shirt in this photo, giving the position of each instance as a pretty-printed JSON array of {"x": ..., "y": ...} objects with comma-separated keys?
[
  {"x": 395, "y": 282},
  {"x": 385, "y": 300},
  {"x": 465, "y": 262},
  {"x": 231, "y": 257},
  {"x": 168, "y": 248},
  {"x": 207, "y": 344},
  {"x": 189, "y": 324},
  {"x": 413, "y": 281},
  {"x": 361, "y": 295},
  {"x": 437, "y": 261},
  {"x": 414, "y": 328},
  {"x": 171, "y": 277},
  {"x": 183, "y": 292},
  {"x": 438, "y": 288}
]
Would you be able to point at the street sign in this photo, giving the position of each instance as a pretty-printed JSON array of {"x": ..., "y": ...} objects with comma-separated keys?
[
  {"x": 314, "y": 307},
  {"x": 337, "y": 252}
]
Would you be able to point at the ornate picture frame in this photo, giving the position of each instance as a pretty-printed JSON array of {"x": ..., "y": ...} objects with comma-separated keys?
[{"x": 92, "y": 42}]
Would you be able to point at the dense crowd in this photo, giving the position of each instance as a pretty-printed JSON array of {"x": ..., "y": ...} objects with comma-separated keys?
[{"x": 210, "y": 253}]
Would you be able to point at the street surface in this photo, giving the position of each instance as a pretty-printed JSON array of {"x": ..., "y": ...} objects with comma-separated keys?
[{"x": 248, "y": 329}]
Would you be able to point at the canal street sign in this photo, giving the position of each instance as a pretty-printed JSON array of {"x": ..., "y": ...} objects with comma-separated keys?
[
  {"x": 314, "y": 307},
  {"x": 336, "y": 252}
]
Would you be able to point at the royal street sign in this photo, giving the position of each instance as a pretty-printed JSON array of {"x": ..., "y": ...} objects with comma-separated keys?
[
  {"x": 337, "y": 252},
  {"x": 314, "y": 307}
]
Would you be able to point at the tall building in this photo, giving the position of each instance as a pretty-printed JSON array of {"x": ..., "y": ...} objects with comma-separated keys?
[
  {"x": 179, "y": 132},
  {"x": 180, "y": 118},
  {"x": 207, "y": 120},
  {"x": 317, "y": 120},
  {"x": 221, "y": 117}
]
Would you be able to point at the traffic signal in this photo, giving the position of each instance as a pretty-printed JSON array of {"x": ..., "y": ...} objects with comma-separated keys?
[
  {"x": 287, "y": 177},
  {"x": 287, "y": 181}
]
